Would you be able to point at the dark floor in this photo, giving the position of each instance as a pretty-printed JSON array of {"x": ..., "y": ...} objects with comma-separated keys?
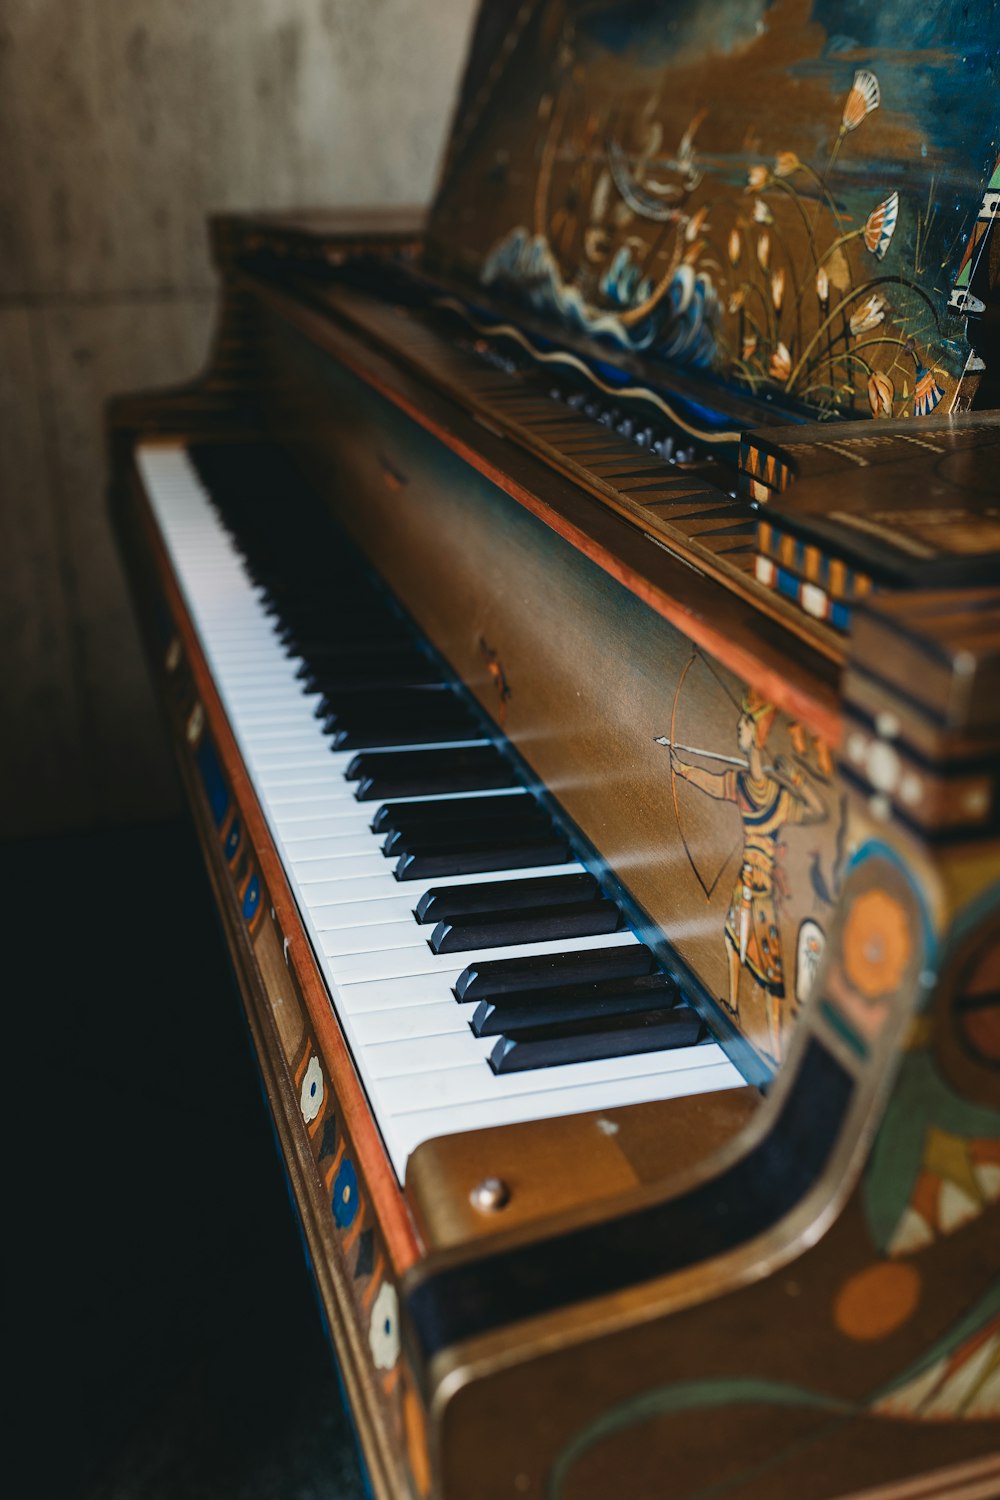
[{"x": 166, "y": 1342}]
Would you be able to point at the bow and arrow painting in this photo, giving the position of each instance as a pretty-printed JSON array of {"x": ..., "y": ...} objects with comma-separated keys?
[{"x": 782, "y": 821}]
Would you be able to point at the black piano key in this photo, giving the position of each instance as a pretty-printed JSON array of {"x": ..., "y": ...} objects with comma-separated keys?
[
  {"x": 499, "y": 929},
  {"x": 344, "y": 709},
  {"x": 436, "y": 863},
  {"x": 386, "y": 658},
  {"x": 508, "y": 1015},
  {"x": 402, "y": 815},
  {"x": 382, "y": 775},
  {"x": 613, "y": 1036},
  {"x": 336, "y": 707},
  {"x": 329, "y": 593},
  {"x": 398, "y": 670},
  {"x": 370, "y": 737},
  {"x": 381, "y": 683},
  {"x": 365, "y": 648},
  {"x": 433, "y": 717},
  {"x": 473, "y": 760},
  {"x": 506, "y": 976},
  {"x": 448, "y": 903},
  {"x": 318, "y": 642},
  {"x": 529, "y": 826},
  {"x": 329, "y": 598},
  {"x": 336, "y": 623}
]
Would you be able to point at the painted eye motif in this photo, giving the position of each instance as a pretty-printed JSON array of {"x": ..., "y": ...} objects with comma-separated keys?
[
  {"x": 383, "y": 1330},
  {"x": 312, "y": 1091}
]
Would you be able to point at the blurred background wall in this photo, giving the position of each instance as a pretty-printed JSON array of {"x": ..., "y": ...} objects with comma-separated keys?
[{"x": 123, "y": 123}]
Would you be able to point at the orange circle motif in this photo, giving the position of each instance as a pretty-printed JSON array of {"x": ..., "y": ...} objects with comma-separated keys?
[
  {"x": 877, "y": 1301},
  {"x": 877, "y": 943}
]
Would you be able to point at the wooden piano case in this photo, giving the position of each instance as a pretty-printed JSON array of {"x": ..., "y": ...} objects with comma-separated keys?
[{"x": 788, "y": 1289}]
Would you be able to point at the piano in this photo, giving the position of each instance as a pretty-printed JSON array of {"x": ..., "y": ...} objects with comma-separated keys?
[{"x": 576, "y": 615}]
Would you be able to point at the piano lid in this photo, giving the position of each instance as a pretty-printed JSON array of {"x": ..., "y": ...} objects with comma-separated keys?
[{"x": 791, "y": 196}]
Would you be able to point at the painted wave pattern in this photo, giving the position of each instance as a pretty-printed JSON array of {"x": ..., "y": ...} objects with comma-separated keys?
[{"x": 681, "y": 327}]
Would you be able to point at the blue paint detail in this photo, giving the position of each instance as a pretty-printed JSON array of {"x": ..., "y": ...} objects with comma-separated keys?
[
  {"x": 344, "y": 1202},
  {"x": 788, "y": 584},
  {"x": 251, "y": 898},
  {"x": 212, "y": 779},
  {"x": 233, "y": 839},
  {"x": 840, "y": 615},
  {"x": 612, "y": 374},
  {"x": 709, "y": 417}
]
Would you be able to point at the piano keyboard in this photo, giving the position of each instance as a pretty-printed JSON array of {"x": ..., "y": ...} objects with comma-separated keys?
[{"x": 478, "y": 973}]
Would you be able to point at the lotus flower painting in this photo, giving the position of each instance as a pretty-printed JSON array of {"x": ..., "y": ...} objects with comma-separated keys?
[{"x": 772, "y": 194}]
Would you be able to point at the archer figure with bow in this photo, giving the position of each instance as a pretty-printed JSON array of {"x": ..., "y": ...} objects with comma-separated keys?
[{"x": 768, "y": 797}]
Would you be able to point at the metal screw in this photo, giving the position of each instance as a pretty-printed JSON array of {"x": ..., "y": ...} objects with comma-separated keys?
[{"x": 490, "y": 1195}]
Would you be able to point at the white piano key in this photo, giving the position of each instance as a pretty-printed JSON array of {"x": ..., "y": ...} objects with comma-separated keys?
[
  {"x": 334, "y": 892},
  {"x": 358, "y": 841},
  {"x": 369, "y": 937},
  {"x": 308, "y": 751},
  {"x": 402, "y": 963},
  {"x": 288, "y": 719},
  {"x": 337, "y": 820},
  {"x": 322, "y": 804},
  {"x": 277, "y": 736},
  {"x": 280, "y": 774},
  {"x": 401, "y": 896},
  {"x": 370, "y": 808},
  {"x": 404, "y": 1022},
  {"x": 367, "y": 863},
  {"x": 464, "y": 1084},
  {"x": 333, "y": 764},
  {"x": 309, "y": 790},
  {"x": 362, "y": 996},
  {"x": 424, "y": 1055}
]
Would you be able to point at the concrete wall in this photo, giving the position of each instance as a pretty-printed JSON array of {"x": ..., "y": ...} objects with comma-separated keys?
[{"x": 122, "y": 124}]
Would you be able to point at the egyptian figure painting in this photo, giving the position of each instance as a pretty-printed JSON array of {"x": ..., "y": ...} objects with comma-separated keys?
[
  {"x": 765, "y": 787},
  {"x": 782, "y": 194},
  {"x": 768, "y": 797}
]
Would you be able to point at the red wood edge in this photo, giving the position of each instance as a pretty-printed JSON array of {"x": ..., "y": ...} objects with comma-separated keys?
[
  {"x": 795, "y": 701},
  {"x": 394, "y": 1219}
]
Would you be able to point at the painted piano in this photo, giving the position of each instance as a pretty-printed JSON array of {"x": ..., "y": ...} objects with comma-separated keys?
[{"x": 577, "y": 616}]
